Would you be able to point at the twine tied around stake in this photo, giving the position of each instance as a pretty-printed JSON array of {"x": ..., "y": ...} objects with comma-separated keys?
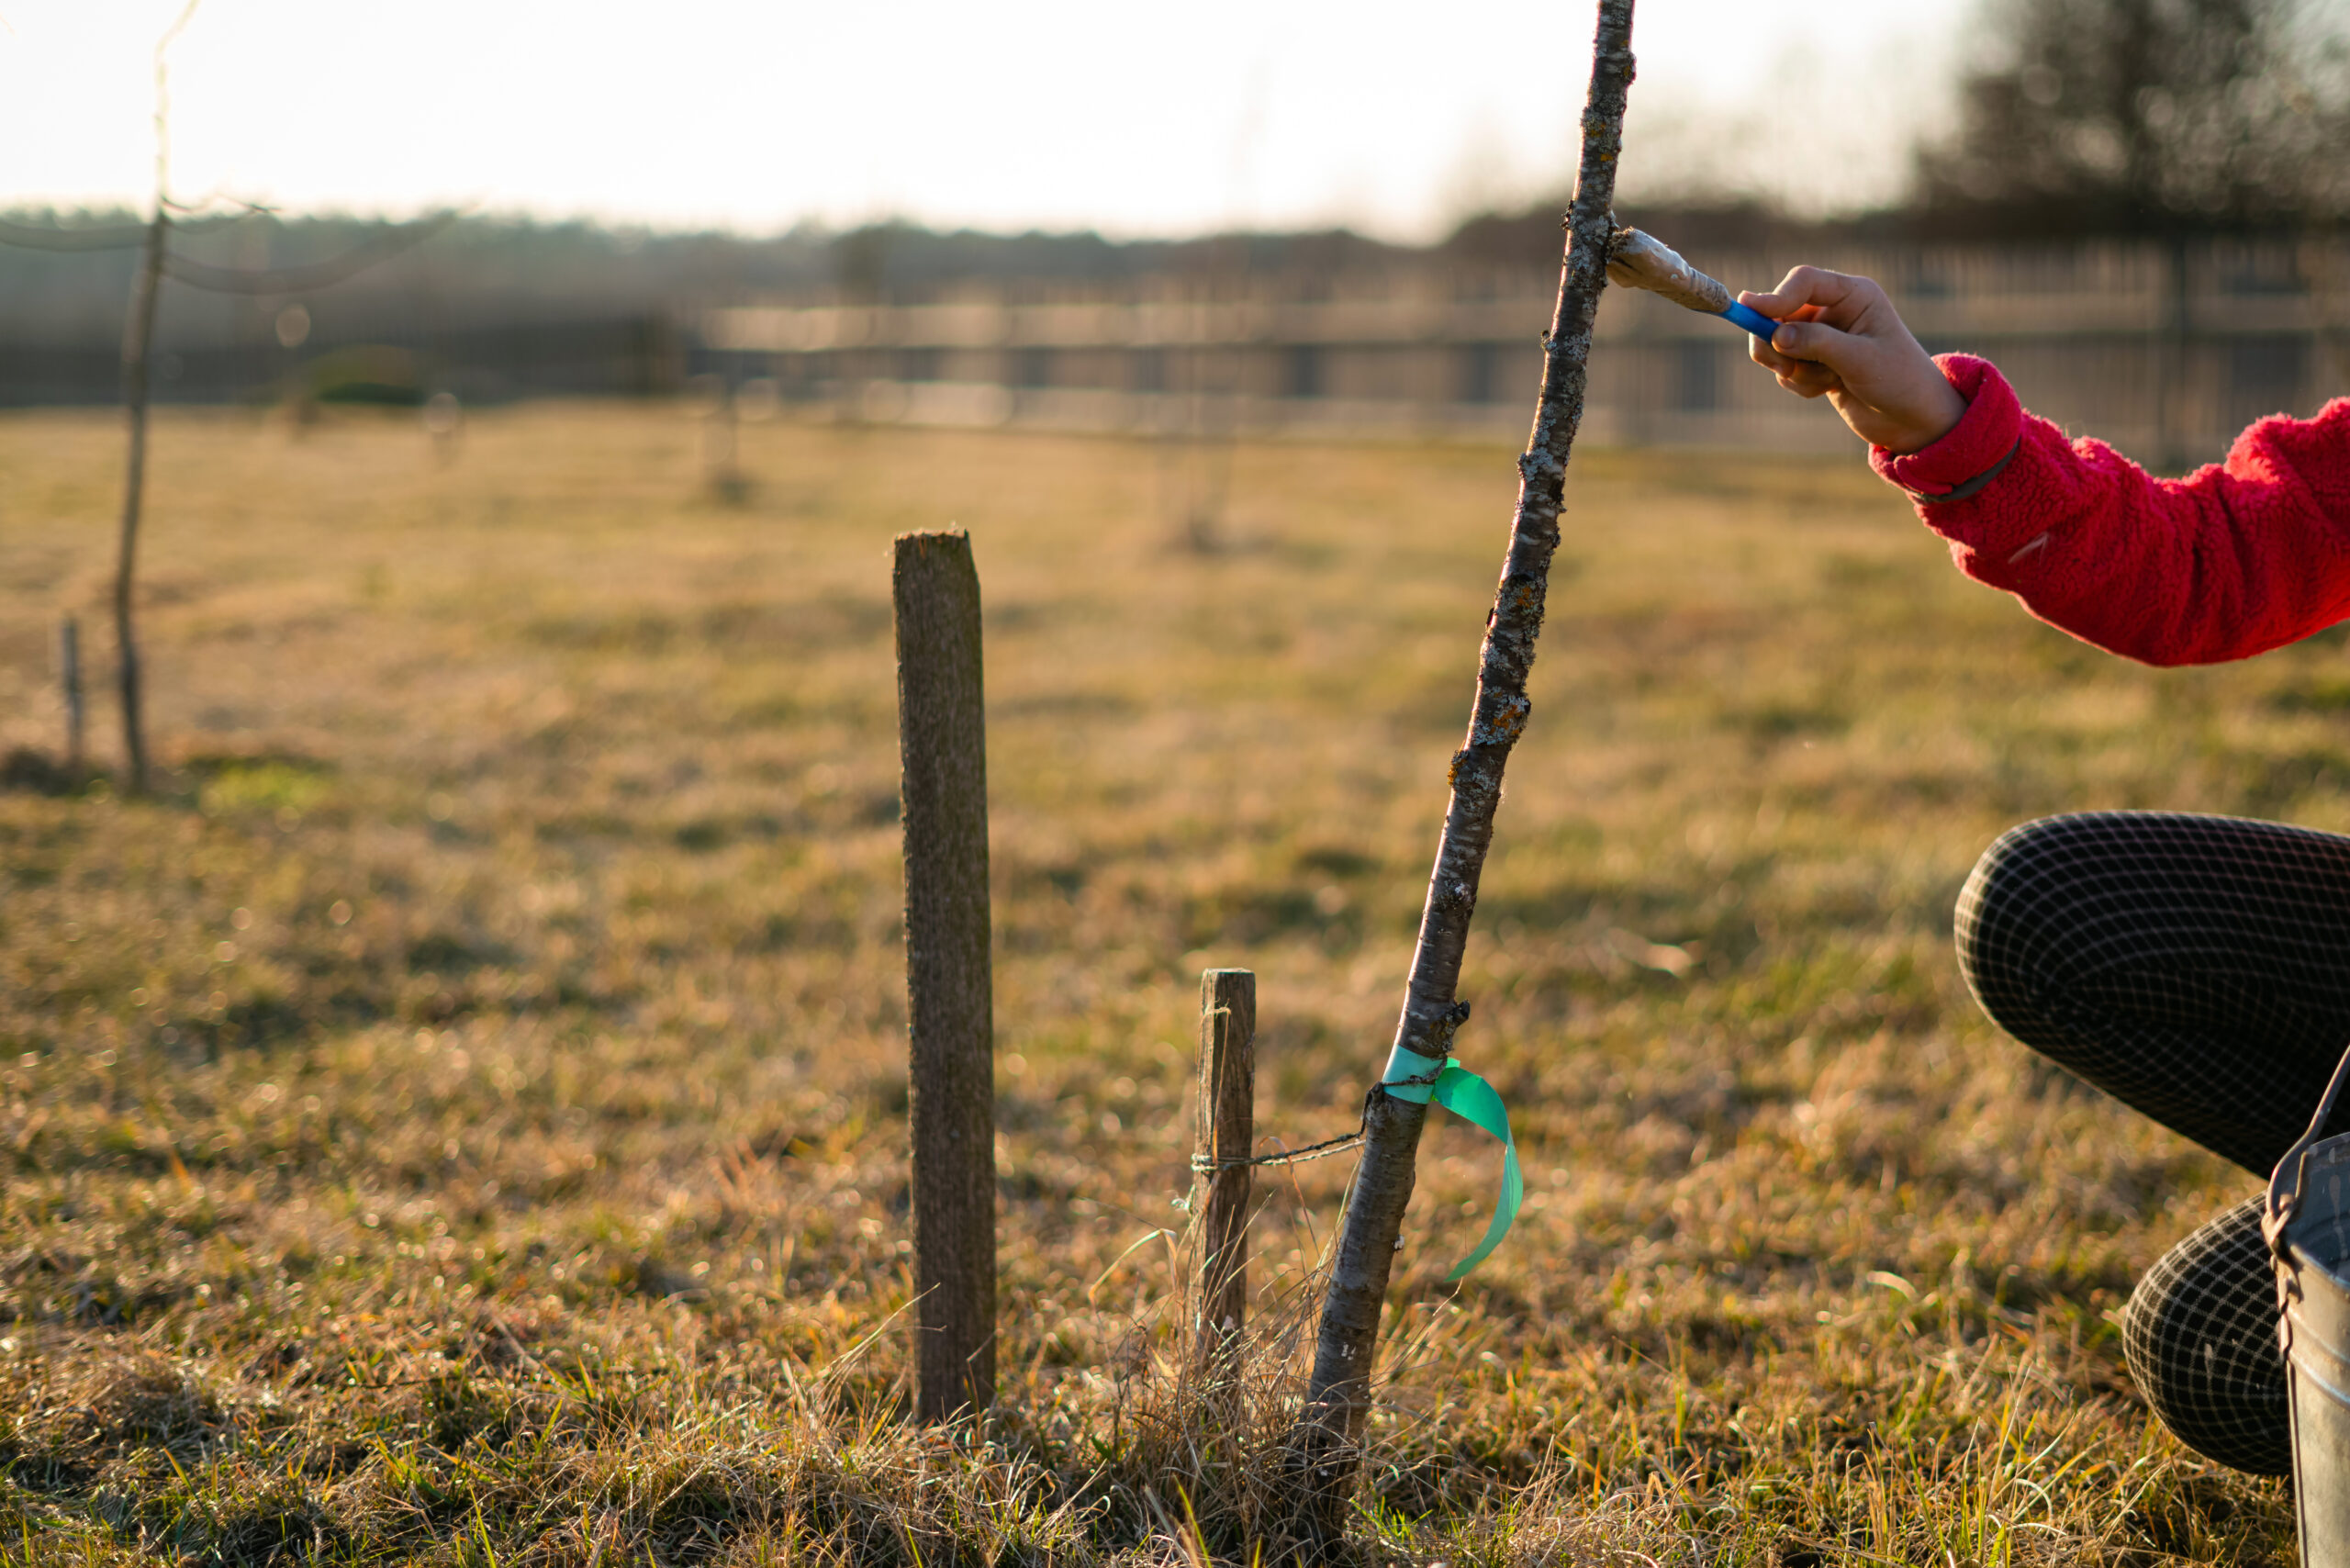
[
  {"x": 1423, "y": 1079},
  {"x": 1204, "y": 1165}
]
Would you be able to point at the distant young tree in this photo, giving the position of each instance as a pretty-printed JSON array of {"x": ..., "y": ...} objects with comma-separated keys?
[
  {"x": 2147, "y": 117},
  {"x": 157, "y": 261}
]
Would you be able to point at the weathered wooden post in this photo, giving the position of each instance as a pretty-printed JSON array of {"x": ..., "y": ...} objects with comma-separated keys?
[
  {"x": 1323, "y": 1455},
  {"x": 1228, "y": 1130},
  {"x": 69, "y": 676},
  {"x": 941, "y": 744}
]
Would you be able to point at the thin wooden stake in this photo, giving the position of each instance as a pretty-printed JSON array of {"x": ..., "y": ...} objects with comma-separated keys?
[
  {"x": 942, "y": 738},
  {"x": 1324, "y": 1456},
  {"x": 68, "y": 674},
  {"x": 1228, "y": 1131}
]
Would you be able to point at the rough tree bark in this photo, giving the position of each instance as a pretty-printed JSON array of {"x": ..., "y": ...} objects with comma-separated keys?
[
  {"x": 138, "y": 354},
  {"x": 1324, "y": 1445},
  {"x": 942, "y": 736}
]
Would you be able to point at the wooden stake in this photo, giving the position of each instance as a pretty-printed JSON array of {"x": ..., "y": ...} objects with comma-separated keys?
[
  {"x": 942, "y": 739},
  {"x": 1323, "y": 1453},
  {"x": 69, "y": 672},
  {"x": 1228, "y": 1131}
]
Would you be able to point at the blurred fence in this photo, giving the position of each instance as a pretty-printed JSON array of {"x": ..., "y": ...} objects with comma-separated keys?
[
  {"x": 383, "y": 356},
  {"x": 2164, "y": 348}
]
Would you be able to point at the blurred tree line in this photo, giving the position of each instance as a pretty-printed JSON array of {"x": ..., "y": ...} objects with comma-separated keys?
[
  {"x": 2146, "y": 117},
  {"x": 2087, "y": 118},
  {"x": 496, "y": 269}
]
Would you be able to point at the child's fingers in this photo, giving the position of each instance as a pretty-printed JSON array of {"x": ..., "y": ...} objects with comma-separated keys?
[
  {"x": 1802, "y": 287},
  {"x": 1765, "y": 352},
  {"x": 1799, "y": 342},
  {"x": 1810, "y": 380},
  {"x": 1854, "y": 358},
  {"x": 1760, "y": 349},
  {"x": 1795, "y": 373},
  {"x": 1812, "y": 339}
]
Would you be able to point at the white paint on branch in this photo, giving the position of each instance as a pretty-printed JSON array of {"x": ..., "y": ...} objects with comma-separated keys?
[{"x": 1640, "y": 261}]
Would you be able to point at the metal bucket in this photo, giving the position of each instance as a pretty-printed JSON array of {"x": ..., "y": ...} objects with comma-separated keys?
[{"x": 2307, "y": 1226}]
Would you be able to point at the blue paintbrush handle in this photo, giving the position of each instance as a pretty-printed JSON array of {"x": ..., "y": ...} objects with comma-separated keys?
[{"x": 1752, "y": 319}]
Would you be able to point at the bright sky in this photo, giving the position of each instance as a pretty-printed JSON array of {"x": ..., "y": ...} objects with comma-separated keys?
[{"x": 1162, "y": 118}]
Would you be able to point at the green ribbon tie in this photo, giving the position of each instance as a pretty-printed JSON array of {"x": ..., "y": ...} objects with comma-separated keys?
[{"x": 1418, "y": 1079}]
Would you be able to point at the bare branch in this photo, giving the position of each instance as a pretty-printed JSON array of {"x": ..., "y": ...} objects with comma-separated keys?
[{"x": 163, "y": 102}]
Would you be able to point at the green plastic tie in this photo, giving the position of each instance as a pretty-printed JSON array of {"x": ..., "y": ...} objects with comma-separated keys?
[{"x": 1420, "y": 1080}]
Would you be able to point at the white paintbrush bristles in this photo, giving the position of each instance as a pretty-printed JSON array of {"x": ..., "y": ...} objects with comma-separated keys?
[{"x": 1637, "y": 261}]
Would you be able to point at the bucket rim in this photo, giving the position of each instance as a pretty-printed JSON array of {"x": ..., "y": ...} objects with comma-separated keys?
[{"x": 2284, "y": 1203}]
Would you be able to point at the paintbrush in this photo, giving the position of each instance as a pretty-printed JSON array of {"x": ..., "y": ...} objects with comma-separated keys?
[{"x": 1640, "y": 261}]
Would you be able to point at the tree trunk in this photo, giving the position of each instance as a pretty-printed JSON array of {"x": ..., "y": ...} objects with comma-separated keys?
[
  {"x": 1324, "y": 1445},
  {"x": 138, "y": 354},
  {"x": 942, "y": 737}
]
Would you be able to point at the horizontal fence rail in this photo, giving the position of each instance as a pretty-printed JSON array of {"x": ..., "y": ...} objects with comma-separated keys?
[{"x": 2165, "y": 349}]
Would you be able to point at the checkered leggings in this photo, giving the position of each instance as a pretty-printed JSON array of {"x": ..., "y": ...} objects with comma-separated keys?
[{"x": 2197, "y": 968}]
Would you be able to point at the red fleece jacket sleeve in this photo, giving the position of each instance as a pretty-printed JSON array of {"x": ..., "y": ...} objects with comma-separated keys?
[{"x": 2235, "y": 559}]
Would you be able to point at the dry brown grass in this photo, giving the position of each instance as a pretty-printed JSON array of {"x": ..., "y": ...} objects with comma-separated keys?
[{"x": 461, "y": 1120}]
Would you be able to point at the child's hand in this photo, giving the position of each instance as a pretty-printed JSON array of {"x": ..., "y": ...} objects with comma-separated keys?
[{"x": 1844, "y": 338}]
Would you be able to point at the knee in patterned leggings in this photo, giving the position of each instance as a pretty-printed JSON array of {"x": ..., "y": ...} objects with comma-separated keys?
[
  {"x": 2201, "y": 1339},
  {"x": 2201, "y": 1331},
  {"x": 2012, "y": 909}
]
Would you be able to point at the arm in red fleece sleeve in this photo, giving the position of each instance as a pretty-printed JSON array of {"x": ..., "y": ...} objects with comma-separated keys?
[{"x": 2235, "y": 559}]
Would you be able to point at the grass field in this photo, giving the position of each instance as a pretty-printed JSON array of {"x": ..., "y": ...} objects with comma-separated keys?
[{"x": 461, "y": 1120}]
